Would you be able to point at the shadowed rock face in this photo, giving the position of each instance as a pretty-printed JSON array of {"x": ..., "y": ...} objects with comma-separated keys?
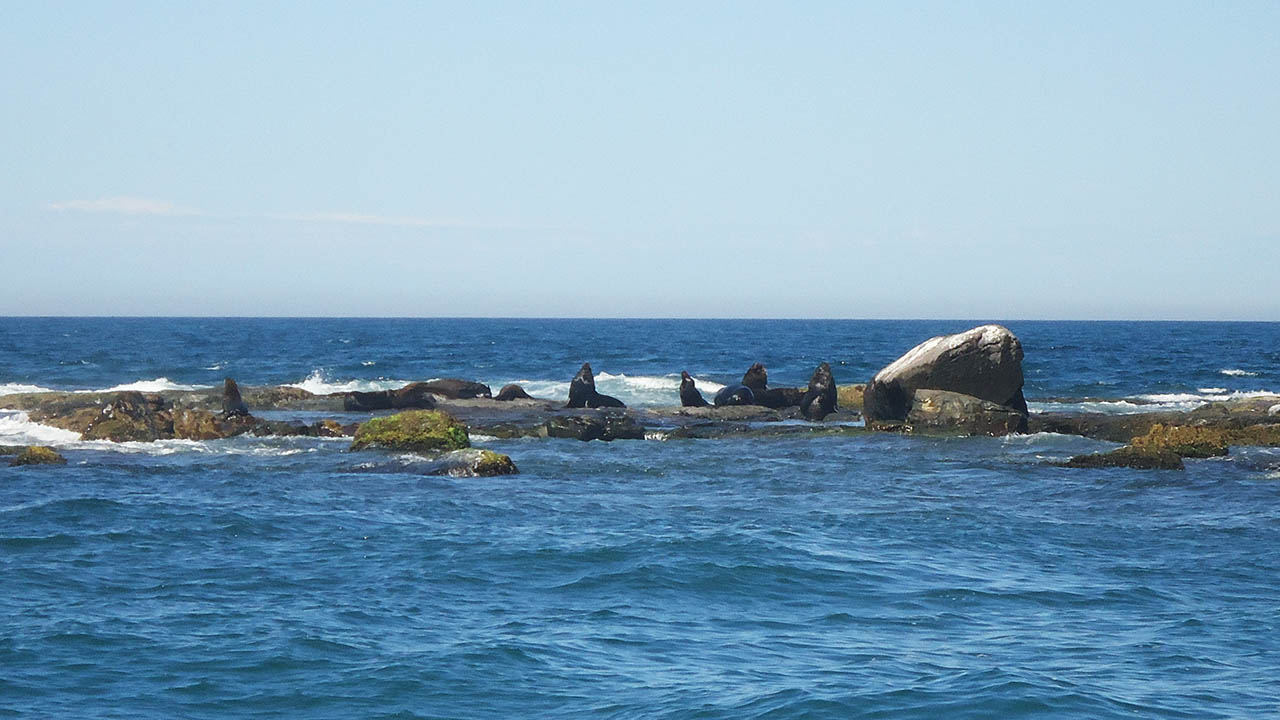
[
  {"x": 582, "y": 391},
  {"x": 689, "y": 394},
  {"x": 983, "y": 363},
  {"x": 820, "y": 400}
]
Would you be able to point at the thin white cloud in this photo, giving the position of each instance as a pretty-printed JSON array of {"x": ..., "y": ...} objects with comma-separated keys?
[
  {"x": 366, "y": 219},
  {"x": 124, "y": 205}
]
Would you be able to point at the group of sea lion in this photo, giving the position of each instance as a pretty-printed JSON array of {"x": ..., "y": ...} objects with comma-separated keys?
[{"x": 816, "y": 402}]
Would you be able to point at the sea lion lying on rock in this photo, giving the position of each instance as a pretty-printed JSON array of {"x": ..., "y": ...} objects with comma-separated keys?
[
  {"x": 455, "y": 389},
  {"x": 512, "y": 392},
  {"x": 689, "y": 395},
  {"x": 820, "y": 400},
  {"x": 757, "y": 379},
  {"x": 734, "y": 395},
  {"x": 582, "y": 391}
]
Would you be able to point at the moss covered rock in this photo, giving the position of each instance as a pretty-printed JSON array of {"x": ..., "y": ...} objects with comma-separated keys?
[
  {"x": 474, "y": 462},
  {"x": 415, "y": 430},
  {"x": 38, "y": 455},
  {"x": 1192, "y": 442},
  {"x": 849, "y": 397},
  {"x": 1129, "y": 457}
]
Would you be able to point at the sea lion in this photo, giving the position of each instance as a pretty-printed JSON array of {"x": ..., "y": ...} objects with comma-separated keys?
[
  {"x": 417, "y": 395},
  {"x": 356, "y": 401},
  {"x": 757, "y": 378},
  {"x": 582, "y": 391},
  {"x": 735, "y": 395},
  {"x": 232, "y": 404},
  {"x": 512, "y": 392},
  {"x": 689, "y": 395},
  {"x": 820, "y": 400},
  {"x": 455, "y": 389}
]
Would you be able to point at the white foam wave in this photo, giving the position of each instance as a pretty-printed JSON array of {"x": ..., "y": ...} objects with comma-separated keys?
[
  {"x": 634, "y": 390},
  {"x": 1211, "y": 391},
  {"x": 16, "y": 428},
  {"x": 1237, "y": 372},
  {"x": 1188, "y": 401},
  {"x": 13, "y": 388},
  {"x": 319, "y": 383},
  {"x": 159, "y": 384},
  {"x": 1110, "y": 407},
  {"x": 368, "y": 363},
  {"x": 215, "y": 366}
]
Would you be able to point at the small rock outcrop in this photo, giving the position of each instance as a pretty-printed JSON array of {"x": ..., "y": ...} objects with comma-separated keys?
[
  {"x": 131, "y": 417},
  {"x": 820, "y": 400},
  {"x": 984, "y": 363},
  {"x": 512, "y": 392},
  {"x": 414, "y": 431},
  {"x": 690, "y": 396},
  {"x": 604, "y": 426},
  {"x": 38, "y": 455},
  {"x": 474, "y": 462},
  {"x": 582, "y": 391},
  {"x": 1128, "y": 457}
]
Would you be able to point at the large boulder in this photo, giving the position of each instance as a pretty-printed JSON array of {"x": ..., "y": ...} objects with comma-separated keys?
[
  {"x": 414, "y": 431},
  {"x": 984, "y": 363}
]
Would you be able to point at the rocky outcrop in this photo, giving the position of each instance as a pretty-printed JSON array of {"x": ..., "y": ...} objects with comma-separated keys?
[
  {"x": 820, "y": 399},
  {"x": 603, "y": 426},
  {"x": 512, "y": 392},
  {"x": 941, "y": 411},
  {"x": 1128, "y": 457},
  {"x": 984, "y": 363},
  {"x": 414, "y": 431},
  {"x": 131, "y": 417},
  {"x": 37, "y": 455},
  {"x": 582, "y": 392}
]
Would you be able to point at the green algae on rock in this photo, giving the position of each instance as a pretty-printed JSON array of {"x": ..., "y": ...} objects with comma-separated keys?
[
  {"x": 1128, "y": 457},
  {"x": 414, "y": 430},
  {"x": 38, "y": 455}
]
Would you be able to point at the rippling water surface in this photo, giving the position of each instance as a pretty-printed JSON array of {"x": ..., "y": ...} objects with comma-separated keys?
[{"x": 800, "y": 577}]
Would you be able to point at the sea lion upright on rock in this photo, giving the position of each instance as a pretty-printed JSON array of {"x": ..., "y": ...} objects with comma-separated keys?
[
  {"x": 689, "y": 394},
  {"x": 582, "y": 392},
  {"x": 232, "y": 404},
  {"x": 820, "y": 400}
]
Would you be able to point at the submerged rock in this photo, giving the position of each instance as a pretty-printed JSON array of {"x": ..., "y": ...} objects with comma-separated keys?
[
  {"x": 413, "y": 430},
  {"x": 1128, "y": 457},
  {"x": 474, "y": 462},
  {"x": 38, "y": 455},
  {"x": 983, "y": 363}
]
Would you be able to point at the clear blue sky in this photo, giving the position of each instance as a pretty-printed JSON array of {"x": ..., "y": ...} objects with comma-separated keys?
[{"x": 966, "y": 159}]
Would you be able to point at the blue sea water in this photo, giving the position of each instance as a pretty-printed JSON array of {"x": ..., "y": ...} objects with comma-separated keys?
[{"x": 870, "y": 576}]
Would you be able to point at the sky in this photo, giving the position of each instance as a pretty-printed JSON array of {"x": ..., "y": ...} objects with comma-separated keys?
[{"x": 1015, "y": 160}]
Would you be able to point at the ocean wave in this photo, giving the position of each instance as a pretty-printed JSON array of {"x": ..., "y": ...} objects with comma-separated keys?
[
  {"x": 159, "y": 384},
  {"x": 1236, "y": 372},
  {"x": 634, "y": 390},
  {"x": 16, "y": 428},
  {"x": 1188, "y": 401},
  {"x": 14, "y": 388},
  {"x": 319, "y": 383}
]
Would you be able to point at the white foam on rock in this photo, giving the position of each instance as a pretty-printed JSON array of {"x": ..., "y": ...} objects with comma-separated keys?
[
  {"x": 15, "y": 388},
  {"x": 16, "y": 428}
]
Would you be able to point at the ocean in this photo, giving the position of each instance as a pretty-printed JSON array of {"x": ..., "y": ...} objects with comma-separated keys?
[{"x": 864, "y": 576}]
